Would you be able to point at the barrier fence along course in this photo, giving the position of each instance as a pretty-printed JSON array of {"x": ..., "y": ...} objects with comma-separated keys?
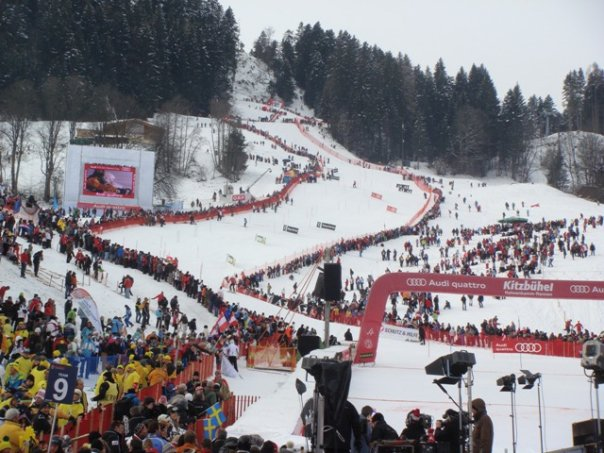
[{"x": 100, "y": 418}]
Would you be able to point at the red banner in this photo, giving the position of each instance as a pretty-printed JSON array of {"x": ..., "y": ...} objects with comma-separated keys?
[
  {"x": 513, "y": 346},
  {"x": 376, "y": 195},
  {"x": 113, "y": 181},
  {"x": 390, "y": 208},
  {"x": 461, "y": 284}
]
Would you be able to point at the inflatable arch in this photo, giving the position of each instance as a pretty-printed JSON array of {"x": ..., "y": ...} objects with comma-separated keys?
[{"x": 460, "y": 284}]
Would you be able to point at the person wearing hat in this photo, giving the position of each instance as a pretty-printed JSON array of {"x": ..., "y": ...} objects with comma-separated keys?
[
  {"x": 158, "y": 375},
  {"x": 225, "y": 392},
  {"x": 103, "y": 385},
  {"x": 482, "y": 435},
  {"x": 414, "y": 429},
  {"x": 115, "y": 437},
  {"x": 42, "y": 421},
  {"x": 56, "y": 444},
  {"x": 132, "y": 380},
  {"x": 446, "y": 433},
  {"x": 177, "y": 427},
  {"x": 211, "y": 392},
  {"x": 11, "y": 428},
  {"x": 70, "y": 412},
  {"x": 14, "y": 381},
  {"x": 23, "y": 363}
]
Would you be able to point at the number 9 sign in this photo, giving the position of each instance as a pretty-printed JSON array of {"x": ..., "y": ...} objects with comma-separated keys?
[{"x": 61, "y": 383}]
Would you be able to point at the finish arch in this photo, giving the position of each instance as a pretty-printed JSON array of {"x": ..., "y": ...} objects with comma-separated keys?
[{"x": 460, "y": 284}]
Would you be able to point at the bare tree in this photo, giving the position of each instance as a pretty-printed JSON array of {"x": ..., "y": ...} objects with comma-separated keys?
[
  {"x": 219, "y": 110},
  {"x": 50, "y": 152},
  {"x": 527, "y": 163},
  {"x": 17, "y": 102},
  {"x": 54, "y": 106},
  {"x": 553, "y": 164}
]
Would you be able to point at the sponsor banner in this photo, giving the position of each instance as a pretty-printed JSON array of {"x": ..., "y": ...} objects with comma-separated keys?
[
  {"x": 515, "y": 346},
  {"x": 399, "y": 333},
  {"x": 242, "y": 197},
  {"x": 390, "y": 208},
  {"x": 230, "y": 259},
  {"x": 376, "y": 195},
  {"x": 106, "y": 206},
  {"x": 260, "y": 239},
  {"x": 461, "y": 284},
  {"x": 87, "y": 307},
  {"x": 290, "y": 229},
  {"x": 326, "y": 226},
  {"x": 115, "y": 181}
]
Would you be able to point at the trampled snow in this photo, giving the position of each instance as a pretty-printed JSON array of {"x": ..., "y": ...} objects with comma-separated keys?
[{"x": 397, "y": 383}]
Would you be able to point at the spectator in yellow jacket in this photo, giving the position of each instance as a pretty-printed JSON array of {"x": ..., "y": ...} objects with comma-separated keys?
[
  {"x": 132, "y": 379},
  {"x": 11, "y": 428},
  {"x": 158, "y": 375},
  {"x": 70, "y": 412}
]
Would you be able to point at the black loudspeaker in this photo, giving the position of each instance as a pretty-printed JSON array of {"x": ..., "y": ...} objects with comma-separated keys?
[
  {"x": 332, "y": 281},
  {"x": 586, "y": 432},
  {"x": 319, "y": 290},
  {"x": 308, "y": 343}
]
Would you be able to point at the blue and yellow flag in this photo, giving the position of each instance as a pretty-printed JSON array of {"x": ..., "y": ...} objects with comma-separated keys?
[
  {"x": 215, "y": 414},
  {"x": 209, "y": 429}
]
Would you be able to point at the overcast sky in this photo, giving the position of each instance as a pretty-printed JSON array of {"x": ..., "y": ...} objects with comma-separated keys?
[{"x": 534, "y": 43}]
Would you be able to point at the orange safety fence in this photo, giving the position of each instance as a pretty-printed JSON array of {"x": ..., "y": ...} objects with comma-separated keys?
[
  {"x": 100, "y": 418},
  {"x": 235, "y": 406},
  {"x": 272, "y": 356}
]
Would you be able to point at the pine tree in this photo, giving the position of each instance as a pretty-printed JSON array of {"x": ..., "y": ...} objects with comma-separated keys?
[
  {"x": 573, "y": 91},
  {"x": 514, "y": 137},
  {"x": 593, "y": 100}
]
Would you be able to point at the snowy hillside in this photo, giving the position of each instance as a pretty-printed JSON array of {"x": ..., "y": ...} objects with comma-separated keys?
[{"x": 397, "y": 383}]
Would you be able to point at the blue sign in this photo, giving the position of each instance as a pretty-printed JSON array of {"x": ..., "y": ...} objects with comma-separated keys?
[{"x": 61, "y": 383}]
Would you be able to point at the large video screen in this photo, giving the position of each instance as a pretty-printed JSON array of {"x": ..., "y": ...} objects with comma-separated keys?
[
  {"x": 117, "y": 178},
  {"x": 114, "y": 181}
]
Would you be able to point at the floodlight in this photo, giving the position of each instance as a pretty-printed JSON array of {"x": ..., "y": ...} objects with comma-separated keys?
[
  {"x": 528, "y": 379},
  {"x": 507, "y": 383}
]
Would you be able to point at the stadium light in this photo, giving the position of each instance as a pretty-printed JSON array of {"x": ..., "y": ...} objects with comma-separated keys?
[
  {"x": 528, "y": 380},
  {"x": 508, "y": 384}
]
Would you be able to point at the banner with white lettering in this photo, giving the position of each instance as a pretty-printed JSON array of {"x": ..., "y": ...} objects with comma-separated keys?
[
  {"x": 515, "y": 346},
  {"x": 461, "y": 284},
  {"x": 399, "y": 333}
]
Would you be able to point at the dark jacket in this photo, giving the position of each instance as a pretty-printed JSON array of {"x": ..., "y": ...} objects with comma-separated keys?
[
  {"x": 414, "y": 431},
  {"x": 338, "y": 432},
  {"x": 448, "y": 435},
  {"x": 383, "y": 431},
  {"x": 482, "y": 436}
]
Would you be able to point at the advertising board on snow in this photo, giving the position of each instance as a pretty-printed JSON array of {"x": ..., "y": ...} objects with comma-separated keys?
[{"x": 399, "y": 333}]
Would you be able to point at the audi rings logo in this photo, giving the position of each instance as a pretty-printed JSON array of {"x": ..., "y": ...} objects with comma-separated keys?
[
  {"x": 579, "y": 289},
  {"x": 417, "y": 282},
  {"x": 531, "y": 348}
]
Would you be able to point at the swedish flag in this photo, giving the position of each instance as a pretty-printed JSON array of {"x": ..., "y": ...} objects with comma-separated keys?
[
  {"x": 209, "y": 429},
  {"x": 216, "y": 415}
]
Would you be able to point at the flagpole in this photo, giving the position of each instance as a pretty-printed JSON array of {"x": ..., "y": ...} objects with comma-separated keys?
[{"x": 52, "y": 428}]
